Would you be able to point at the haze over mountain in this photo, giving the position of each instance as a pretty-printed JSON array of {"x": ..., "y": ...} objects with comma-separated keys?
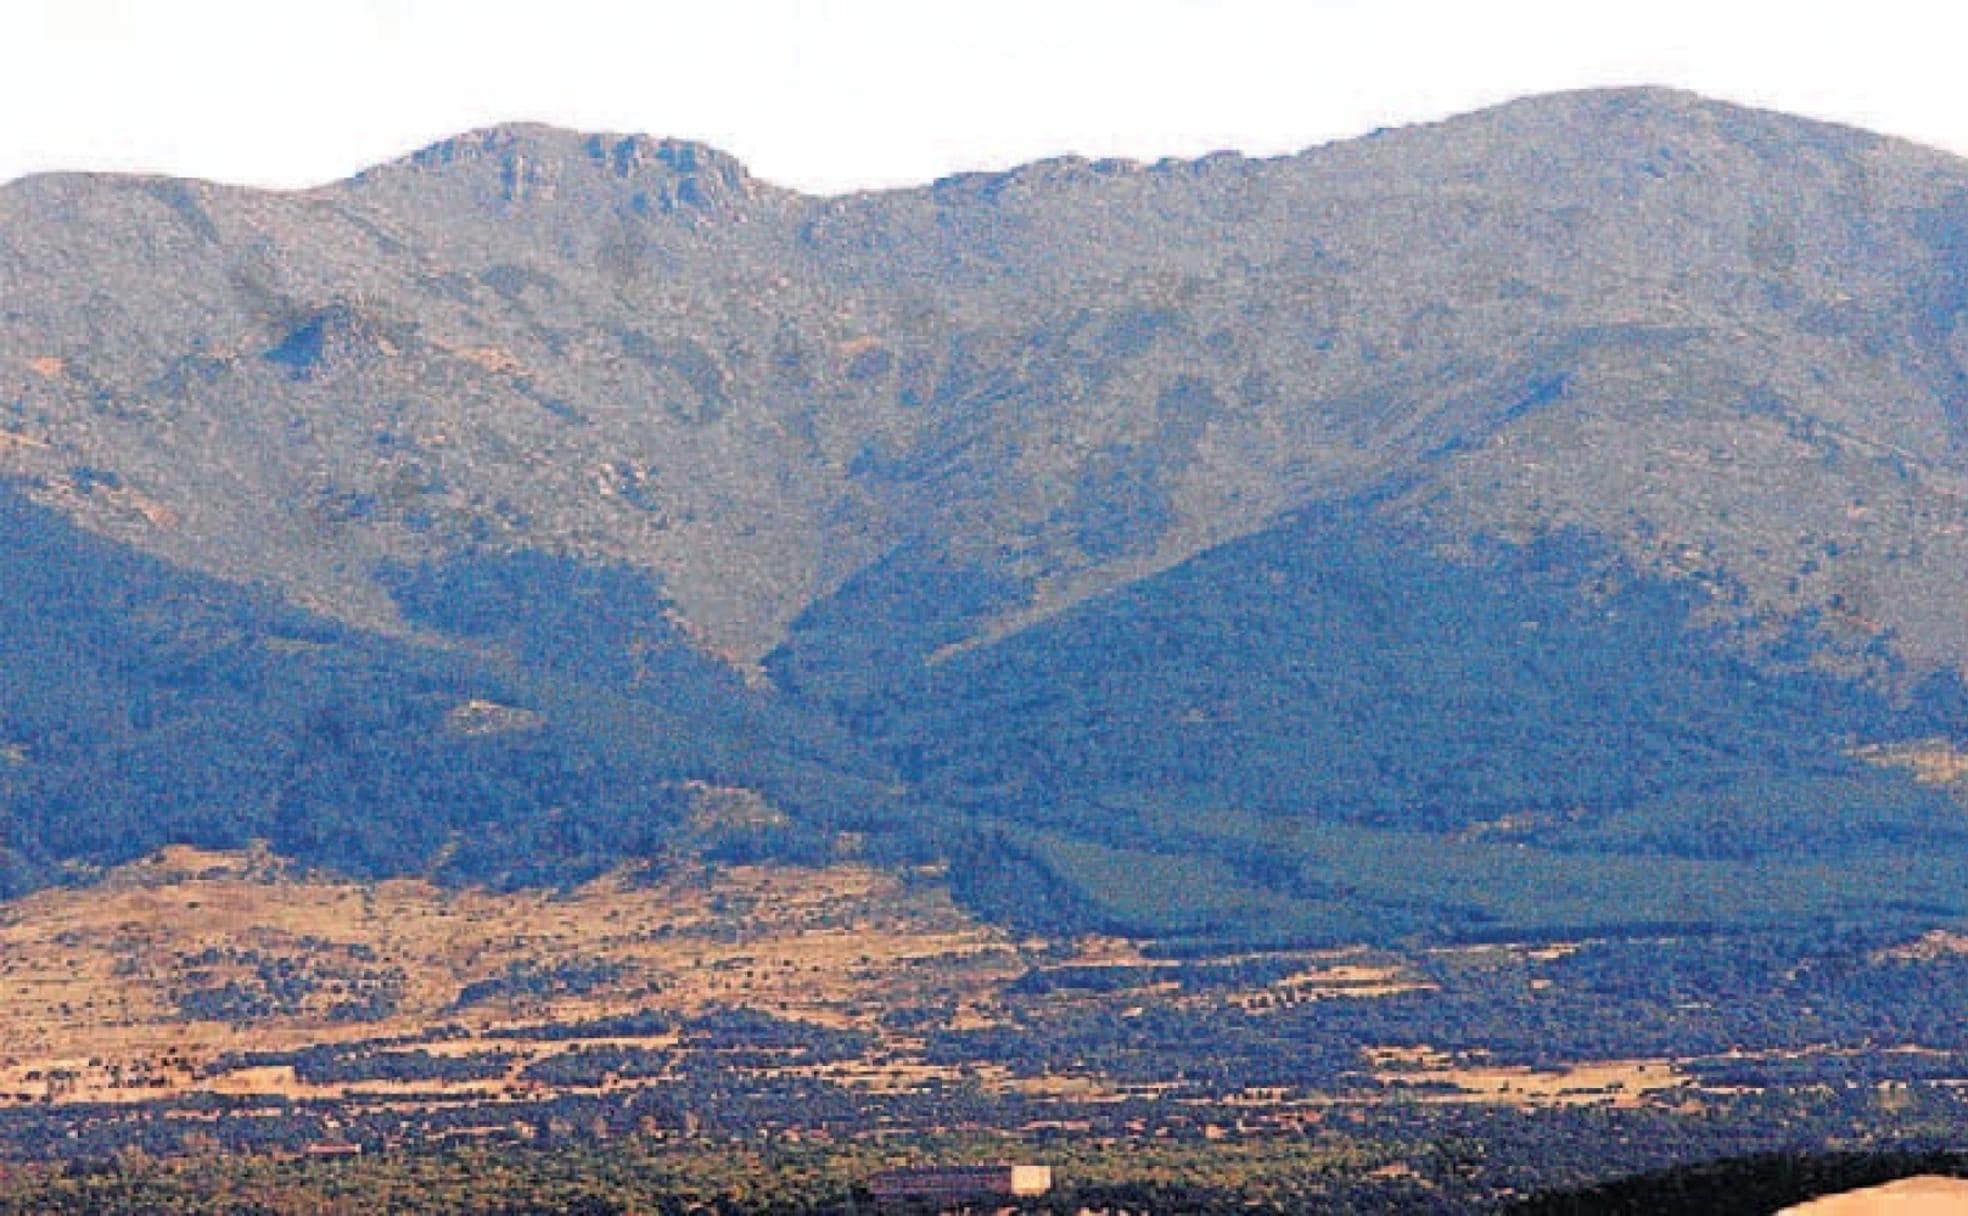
[{"x": 1523, "y": 520}]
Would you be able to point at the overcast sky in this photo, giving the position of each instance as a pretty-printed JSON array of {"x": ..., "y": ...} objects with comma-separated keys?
[{"x": 831, "y": 95}]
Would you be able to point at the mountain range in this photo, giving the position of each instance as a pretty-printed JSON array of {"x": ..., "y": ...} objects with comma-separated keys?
[{"x": 1548, "y": 520}]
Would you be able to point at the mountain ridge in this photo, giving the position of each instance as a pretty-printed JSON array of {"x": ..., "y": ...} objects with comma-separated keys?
[
  {"x": 509, "y": 131},
  {"x": 704, "y": 370}
]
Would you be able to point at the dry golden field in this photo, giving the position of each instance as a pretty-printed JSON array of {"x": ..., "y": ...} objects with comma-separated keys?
[
  {"x": 180, "y": 975},
  {"x": 100, "y": 988}
]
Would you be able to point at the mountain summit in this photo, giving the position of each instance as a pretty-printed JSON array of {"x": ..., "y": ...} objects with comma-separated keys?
[{"x": 530, "y": 163}]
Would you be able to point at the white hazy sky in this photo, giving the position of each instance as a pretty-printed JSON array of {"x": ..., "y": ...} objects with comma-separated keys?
[{"x": 830, "y": 95}]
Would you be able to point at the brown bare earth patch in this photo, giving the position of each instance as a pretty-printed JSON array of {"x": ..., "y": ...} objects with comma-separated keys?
[
  {"x": 116, "y": 505},
  {"x": 1333, "y": 975},
  {"x": 1102, "y": 951},
  {"x": 479, "y": 717},
  {"x": 1938, "y": 944},
  {"x": 1931, "y": 761},
  {"x": 1617, "y": 1083},
  {"x": 1352, "y": 979}
]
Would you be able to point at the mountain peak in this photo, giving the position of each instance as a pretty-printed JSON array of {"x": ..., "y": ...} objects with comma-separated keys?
[
  {"x": 532, "y": 160},
  {"x": 1625, "y": 96},
  {"x": 1612, "y": 110}
]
